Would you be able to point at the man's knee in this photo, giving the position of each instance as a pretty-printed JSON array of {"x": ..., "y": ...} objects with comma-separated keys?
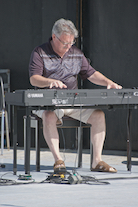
[
  {"x": 97, "y": 116},
  {"x": 49, "y": 116},
  {"x": 99, "y": 113}
]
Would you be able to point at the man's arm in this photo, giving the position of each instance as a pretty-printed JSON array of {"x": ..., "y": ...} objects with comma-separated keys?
[
  {"x": 41, "y": 82},
  {"x": 99, "y": 79}
]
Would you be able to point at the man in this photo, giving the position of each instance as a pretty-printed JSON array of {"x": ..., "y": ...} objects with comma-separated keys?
[{"x": 56, "y": 64}]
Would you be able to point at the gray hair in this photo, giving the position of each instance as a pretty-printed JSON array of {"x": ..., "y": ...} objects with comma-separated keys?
[{"x": 64, "y": 26}]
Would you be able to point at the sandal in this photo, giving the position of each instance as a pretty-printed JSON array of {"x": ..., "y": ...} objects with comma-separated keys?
[
  {"x": 104, "y": 167},
  {"x": 59, "y": 167}
]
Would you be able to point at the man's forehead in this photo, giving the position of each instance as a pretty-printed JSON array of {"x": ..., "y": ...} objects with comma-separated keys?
[{"x": 66, "y": 35}]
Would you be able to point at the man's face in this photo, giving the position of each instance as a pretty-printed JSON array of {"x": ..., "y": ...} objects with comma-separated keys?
[{"x": 63, "y": 43}]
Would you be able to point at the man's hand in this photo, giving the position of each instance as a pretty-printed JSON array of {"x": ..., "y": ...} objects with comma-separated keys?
[
  {"x": 57, "y": 84},
  {"x": 113, "y": 85}
]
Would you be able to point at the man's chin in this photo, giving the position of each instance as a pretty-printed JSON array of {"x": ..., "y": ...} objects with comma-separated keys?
[
  {"x": 63, "y": 52},
  {"x": 66, "y": 50}
]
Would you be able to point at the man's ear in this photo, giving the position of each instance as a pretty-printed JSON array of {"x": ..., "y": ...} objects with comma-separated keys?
[{"x": 53, "y": 36}]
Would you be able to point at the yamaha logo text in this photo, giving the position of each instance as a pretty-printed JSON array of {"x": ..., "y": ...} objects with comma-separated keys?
[{"x": 35, "y": 95}]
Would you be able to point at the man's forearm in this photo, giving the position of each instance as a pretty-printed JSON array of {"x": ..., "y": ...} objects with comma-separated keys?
[
  {"x": 39, "y": 81},
  {"x": 99, "y": 79}
]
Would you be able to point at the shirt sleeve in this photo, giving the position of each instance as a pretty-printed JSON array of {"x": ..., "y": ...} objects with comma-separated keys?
[
  {"x": 35, "y": 64},
  {"x": 86, "y": 70}
]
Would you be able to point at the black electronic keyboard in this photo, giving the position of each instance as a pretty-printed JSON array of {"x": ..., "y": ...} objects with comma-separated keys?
[
  {"x": 79, "y": 97},
  {"x": 91, "y": 98}
]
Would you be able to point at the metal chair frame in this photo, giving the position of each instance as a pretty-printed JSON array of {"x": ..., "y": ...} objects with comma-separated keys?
[{"x": 4, "y": 115}]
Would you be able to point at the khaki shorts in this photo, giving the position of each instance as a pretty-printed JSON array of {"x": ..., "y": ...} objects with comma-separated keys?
[{"x": 79, "y": 114}]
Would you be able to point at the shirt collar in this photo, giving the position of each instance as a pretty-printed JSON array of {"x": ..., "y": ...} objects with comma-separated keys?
[{"x": 52, "y": 51}]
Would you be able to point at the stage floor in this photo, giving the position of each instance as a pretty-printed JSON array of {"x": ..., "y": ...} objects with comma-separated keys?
[{"x": 105, "y": 189}]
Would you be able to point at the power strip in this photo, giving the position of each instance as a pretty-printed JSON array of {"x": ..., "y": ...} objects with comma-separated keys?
[
  {"x": 25, "y": 177},
  {"x": 75, "y": 179}
]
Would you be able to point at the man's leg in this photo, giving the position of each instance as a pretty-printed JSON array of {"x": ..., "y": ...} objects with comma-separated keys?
[
  {"x": 98, "y": 130},
  {"x": 97, "y": 120},
  {"x": 50, "y": 133}
]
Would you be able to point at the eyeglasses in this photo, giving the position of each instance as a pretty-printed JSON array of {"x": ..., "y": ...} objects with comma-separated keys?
[{"x": 66, "y": 43}]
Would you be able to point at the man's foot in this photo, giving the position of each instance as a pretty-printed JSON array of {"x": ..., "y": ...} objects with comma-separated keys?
[
  {"x": 104, "y": 167},
  {"x": 59, "y": 167}
]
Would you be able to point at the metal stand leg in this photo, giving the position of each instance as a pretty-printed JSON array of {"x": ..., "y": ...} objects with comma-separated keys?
[
  {"x": 37, "y": 138},
  {"x": 14, "y": 133},
  {"x": 28, "y": 139},
  {"x": 80, "y": 141},
  {"x": 129, "y": 141}
]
